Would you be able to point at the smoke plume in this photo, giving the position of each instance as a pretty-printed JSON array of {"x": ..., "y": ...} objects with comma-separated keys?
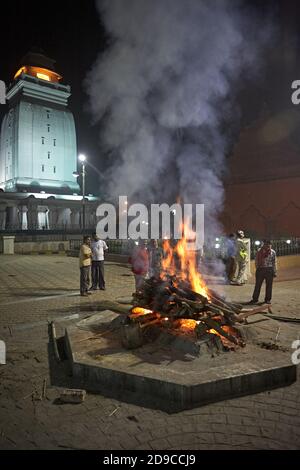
[{"x": 163, "y": 93}]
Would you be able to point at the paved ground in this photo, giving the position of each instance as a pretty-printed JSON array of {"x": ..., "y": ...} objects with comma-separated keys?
[{"x": 35, "y": 289}]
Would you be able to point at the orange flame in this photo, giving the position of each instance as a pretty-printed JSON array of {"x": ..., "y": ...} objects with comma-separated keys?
[
  {"x": 228, "y": 344},
  {"x": 168, "y": 262},
  {"x": 187, "y": 263}
]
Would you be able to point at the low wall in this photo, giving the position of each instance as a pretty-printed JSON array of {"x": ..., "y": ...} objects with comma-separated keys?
[
  {"x": 42, "y": 248},
  {"x": 284, "y": 262}
]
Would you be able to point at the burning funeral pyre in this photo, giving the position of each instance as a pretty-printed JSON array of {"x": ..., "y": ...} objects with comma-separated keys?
[{"x": 180, "y": 301}]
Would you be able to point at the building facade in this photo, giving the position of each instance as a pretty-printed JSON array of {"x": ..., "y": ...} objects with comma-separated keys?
[{"x": 263, "y": 190}]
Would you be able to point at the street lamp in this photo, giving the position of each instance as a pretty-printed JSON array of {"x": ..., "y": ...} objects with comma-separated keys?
[{"x": 82, "y": 159}]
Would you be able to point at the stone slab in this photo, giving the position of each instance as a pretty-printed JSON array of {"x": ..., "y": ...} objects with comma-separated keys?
[{"x": 163, "y": 374}]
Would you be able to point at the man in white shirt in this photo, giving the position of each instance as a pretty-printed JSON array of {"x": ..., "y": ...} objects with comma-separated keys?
[{"x": 98, "y": 247}]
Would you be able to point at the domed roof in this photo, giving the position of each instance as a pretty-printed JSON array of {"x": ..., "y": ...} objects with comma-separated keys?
[
  {"x": 36, "y": 58},
  {"x": 37, "y": 64}
]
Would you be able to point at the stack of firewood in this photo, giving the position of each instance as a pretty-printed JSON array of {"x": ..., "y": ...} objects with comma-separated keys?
[{"x": 171, "y": 299}]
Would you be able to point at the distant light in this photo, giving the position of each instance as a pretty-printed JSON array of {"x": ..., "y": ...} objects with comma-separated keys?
[
  {"x": 82, "y": 158},
  {"x": 257, "y": 242},
  {"x": 165, "y": 237},
  {"x": 217, "y": 246},
  {"x": 288, "y": 242},
  {"x": 126, "y": 203},
  {"x": 136, "y": 243},
  {"x": 217, "y": 239}
]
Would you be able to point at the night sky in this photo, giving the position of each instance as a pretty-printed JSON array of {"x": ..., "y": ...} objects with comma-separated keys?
[{"x": 71, "y": 33}]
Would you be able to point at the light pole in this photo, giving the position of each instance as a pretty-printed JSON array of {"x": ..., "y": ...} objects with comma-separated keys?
[{"x": 82, "y": 159}]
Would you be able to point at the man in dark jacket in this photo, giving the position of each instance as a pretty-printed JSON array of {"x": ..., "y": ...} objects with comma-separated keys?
[
  {"x": 266, "y": 270},
  {"x": 230, "y": 257}
]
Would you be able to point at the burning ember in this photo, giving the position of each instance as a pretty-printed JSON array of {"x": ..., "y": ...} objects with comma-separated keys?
[
  {"x": 136, "y": 311},
  {"x": 181, "y": 301}
]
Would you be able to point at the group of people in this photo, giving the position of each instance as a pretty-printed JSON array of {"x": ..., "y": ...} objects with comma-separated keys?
[
  {"x": 146, "y": 261},
  {"x": 91, "y": 261},
  {"x": 237, "y": 259}
]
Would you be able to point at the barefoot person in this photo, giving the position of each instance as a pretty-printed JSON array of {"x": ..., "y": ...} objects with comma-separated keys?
[
  {"x": 266, "y": 270},
  {"x": 85, "y": 261}
]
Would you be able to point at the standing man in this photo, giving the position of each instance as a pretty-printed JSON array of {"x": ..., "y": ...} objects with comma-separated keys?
[
  {"x": 98, "y": 248},
  {"x": 266, "y": 270},
  {"x": 241, "y": 259},
  {"x": 85, "y": 260},
  {"x": 230, "y": 257}
]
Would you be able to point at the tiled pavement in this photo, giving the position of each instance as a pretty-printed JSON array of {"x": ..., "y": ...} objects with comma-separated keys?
[{"x": 35, "y": 289}]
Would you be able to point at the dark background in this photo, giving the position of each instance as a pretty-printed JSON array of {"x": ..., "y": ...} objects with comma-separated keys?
[{"x": 71, "y": 33}]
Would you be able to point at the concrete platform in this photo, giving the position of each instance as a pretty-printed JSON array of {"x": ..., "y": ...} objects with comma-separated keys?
[{"x": 169, "y": 372}]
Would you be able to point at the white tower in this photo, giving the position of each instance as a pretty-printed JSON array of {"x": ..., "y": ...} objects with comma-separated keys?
[{"x": 38, "y": 149}]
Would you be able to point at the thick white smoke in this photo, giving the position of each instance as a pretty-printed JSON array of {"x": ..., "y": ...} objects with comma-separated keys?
[{"x": 161, "y": 92}]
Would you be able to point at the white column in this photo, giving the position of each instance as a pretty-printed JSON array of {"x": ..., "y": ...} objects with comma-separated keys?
[
  {"x": 75, "y": 218},
  {"x": 22, "y": 215}
]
